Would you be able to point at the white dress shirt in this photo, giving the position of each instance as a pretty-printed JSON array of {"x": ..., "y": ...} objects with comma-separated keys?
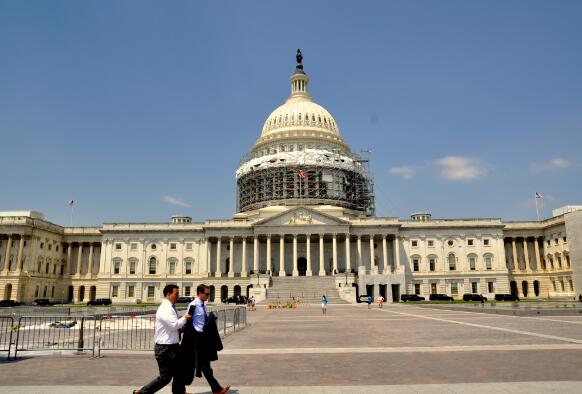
[
  {"x": 200, "y": 316},
  {"x": 167, "y": 325}
]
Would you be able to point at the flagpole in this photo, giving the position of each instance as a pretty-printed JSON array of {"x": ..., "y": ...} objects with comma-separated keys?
[
  {"x": 537, "y": 208},
  {"x": 71, "y": 219}
]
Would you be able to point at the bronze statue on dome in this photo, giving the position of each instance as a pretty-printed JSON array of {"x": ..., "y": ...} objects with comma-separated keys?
[{"x": 299, "y": 58}]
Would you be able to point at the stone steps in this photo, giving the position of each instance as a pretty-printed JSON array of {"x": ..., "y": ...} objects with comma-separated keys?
[{"x": 308, "y": 288}]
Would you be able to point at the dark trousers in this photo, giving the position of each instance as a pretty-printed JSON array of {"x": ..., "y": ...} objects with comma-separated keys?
[
  {"x": 168, "y": 360},
  {"x": 209, "y": 375}
]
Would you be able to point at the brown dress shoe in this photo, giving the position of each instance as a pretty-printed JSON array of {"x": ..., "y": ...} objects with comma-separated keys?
[{"x": 223, "y": 390}]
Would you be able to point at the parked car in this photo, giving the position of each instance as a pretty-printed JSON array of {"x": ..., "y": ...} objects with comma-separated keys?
[
  {"x": 474, "y": 297},
  {"x": 184, "y": 300},
  {"x": 364, "y": 298},
  {"x": 238, "y": 300},
  {"x": 100, "y": 301},
  {"x": 41, "y": 302},
  {"x": 440, "y": 297},
  {"x": 8, "y": 303},
  {"x": 411, "y": 297},
  {"x": 506, "y": 297}
]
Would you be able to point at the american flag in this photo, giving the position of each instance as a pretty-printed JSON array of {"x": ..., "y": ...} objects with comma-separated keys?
[
  {"x": 301, "y": 174},
  {"x": 71, "y": 203},
  {"x": 538, "y": 196}
]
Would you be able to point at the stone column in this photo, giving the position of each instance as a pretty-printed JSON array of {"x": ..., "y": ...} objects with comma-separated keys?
[
  {"x": 208, "y": 256},
  {"x": 396, "y": 253},
  {"x": 19, "y": 255},
  {"x": 69, "y": 252},
  {"x": 90, "y": 269},
  {"x": 243, "y": 270},
  {"x": 309, "y": 272},
  {"x": 321, "y": 256},
  {"x": 231, "y": 258},
  {"x": 282, "y": 255},
  {"x": 359, "y": 257},
  {"x": 256, "y": 254},
  {"x": 348, "y": 263},
  {"x": 385, "y": 256},
  {"x": 372, "y": 262},
  {"x": 7, "y": 254},
  {"x": 295, "y": 272},
  {"x": 79, "y": 260},
  {"x": 537, "y": 252},
  {"x": 269, "y": 265},
  {"x": 514, "y": 254},
  {"x": 526, "y": 254},
  {"x": 218, "y": 272},
  {"x": 334, "y": 252}
]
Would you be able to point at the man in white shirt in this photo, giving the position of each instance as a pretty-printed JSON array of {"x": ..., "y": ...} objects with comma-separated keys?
[{"x": 167, "y": 340}]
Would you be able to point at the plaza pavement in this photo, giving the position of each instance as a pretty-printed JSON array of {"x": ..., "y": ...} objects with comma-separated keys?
[{"x": 397, "y": 349}]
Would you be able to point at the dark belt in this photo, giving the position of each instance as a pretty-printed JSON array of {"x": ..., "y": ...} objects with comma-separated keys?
[{"x": 165, "y": 345}]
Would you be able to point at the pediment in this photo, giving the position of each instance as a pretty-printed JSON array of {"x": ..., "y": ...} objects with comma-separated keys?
[{"x": 301, "y": 216}]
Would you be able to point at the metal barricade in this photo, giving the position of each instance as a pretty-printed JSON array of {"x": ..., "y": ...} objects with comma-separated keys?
[
  {"x": 6, "y": 330},
  {"x": 49, "y": 333},
  {"x": 127, "y": 331}
]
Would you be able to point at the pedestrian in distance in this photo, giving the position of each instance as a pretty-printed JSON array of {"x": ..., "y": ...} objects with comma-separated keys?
[
  {"x": 369, "y": 301},
  {"x": 167, "y": 345},
  {"x": 201, "y": 342},
  {"x": 380, "y": 302},
  {"x": 324, "y": 305}
]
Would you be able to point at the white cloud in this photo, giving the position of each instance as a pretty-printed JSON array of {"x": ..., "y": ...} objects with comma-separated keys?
[
  {"x": 176, "y": 201},
  {"x": 406, "y": 172},
  {"x": 457, "y": 168},
  {"x": 554, "y": 164}
]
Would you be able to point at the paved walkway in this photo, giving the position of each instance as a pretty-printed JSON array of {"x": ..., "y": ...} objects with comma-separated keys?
[{"x": 400, "y": 348}]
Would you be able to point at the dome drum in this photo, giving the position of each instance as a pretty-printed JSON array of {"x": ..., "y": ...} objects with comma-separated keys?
[{"x": 304, "y": 185}]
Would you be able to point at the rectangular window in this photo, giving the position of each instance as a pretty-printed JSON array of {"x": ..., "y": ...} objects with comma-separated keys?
[
  {"x": 50, "y": 247},
  {"x": 188, "y": 245},
  {"x": 188, "y": 268},
  {"x": 172, "y": 268},
  {"x": 42, "y": 245},
  {"x": 414, "y": 243},
  {"x": 417, "y": 288},
  {"x": 152, "y": 266},
  {"x": 472, "y": 263},
  {"x": 151, "y": 291},
  {"x": 491, "y": 287},
  {"x": 454, "y": 288},
  {"x": 130, "y": 291},
  {"x": 187, "y": 291},
  {"x": 433, "y": 288},
  {"x": 452, "y": 263},
  {"x": 132, "y": 267},
  {"x": 430, "y": 243},
  {"x": 470, "y": 242},
  {"x": 53, "y": 292},
  {"x": 564, "y": 240},
  {"x": 432, "y": 264},
  {"x": 133, "y": 246},
  {"x": 172, "y": 246},
  {"x": 116, "y": 267},
  {"x": 474, "y": 287},
  {"x": 114, "y": 291},
  {"x": 556, "y": 241},
  {"x": 486, "y": 242},
  {"x": 117, "y": 246},
  {"x": 415, "y": 264},
  {"x": 488, "y": 262}
]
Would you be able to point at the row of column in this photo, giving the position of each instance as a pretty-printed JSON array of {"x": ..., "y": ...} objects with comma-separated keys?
[
  {"x": 79, "y": 260},
  {"x": 7, "y": 254},
  {"x": 295, "y": 271},
  {"x": 527, "y": 266}
]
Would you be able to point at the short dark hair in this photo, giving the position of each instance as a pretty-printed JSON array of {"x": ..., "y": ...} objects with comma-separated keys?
[
  {"x": 169, "y": 289},
  {"x": 201, "y": 288}
]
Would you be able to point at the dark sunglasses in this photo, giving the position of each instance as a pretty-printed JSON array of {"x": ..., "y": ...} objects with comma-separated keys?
[{"x": 206, "y": 294}]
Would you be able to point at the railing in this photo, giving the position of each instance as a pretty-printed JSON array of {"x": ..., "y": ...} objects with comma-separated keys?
[
  {"x": 105, "y": 329},
  {"x": 6, "y": 330}
]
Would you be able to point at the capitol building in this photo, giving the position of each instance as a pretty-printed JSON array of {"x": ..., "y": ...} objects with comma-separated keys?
[{"x": 305, "y": 225}]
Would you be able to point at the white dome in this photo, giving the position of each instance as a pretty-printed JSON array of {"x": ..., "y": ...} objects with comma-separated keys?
[{"x": 300, "y": 113}]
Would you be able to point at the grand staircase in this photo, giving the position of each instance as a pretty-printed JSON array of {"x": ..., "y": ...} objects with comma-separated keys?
[{"x": 309, "y": 288}]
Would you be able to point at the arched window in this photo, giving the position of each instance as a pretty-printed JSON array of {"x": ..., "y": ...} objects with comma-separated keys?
[
  {"x": 472, "y": 260},
  {"x": 452, "y": 262},
  {"x": 152, "y": 266}
]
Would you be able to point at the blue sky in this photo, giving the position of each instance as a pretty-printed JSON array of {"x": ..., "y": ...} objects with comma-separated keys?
[{"x": 139, "y": 110}]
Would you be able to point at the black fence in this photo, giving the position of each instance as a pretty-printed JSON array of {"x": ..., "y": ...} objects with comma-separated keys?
[{"x": 130, "y": 329}]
